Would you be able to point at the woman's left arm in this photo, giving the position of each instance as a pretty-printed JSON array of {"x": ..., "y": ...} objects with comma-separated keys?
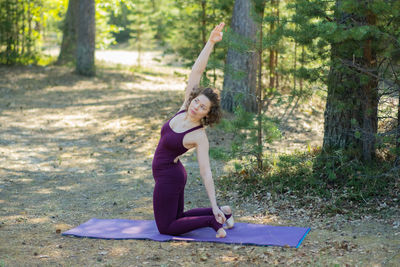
[
  {"x": 201, "y": 62},
  {"x": 206, "y": 175}
]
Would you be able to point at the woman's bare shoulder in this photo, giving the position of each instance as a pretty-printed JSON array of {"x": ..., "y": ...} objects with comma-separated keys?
[
  {"x": 196, "y": 138},
  {"x": 201, "y": 136}
]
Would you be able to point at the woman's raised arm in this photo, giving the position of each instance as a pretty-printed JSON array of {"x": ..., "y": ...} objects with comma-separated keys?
[{"x": 201, "y": 62}]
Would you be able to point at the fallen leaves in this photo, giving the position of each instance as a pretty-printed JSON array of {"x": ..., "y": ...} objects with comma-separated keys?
[{"x": 96, "y": 160}]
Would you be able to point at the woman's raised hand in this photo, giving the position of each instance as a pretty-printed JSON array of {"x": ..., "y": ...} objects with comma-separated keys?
[{"x": 216, "y": 34}]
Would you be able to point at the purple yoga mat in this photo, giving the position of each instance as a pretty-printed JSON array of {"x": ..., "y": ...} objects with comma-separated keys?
[{"x": 242, "y": 233}]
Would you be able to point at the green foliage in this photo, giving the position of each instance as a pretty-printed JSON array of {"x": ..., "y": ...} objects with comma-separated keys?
[
  {"x": 218, "y": 153},
  {"x": 28, "y": 26},
  {"x": 316, "y": 173},
  {"x": 190, "y": 30},
  {"x": 20, "y": 31},
  {"x": 244, "y": 130}
]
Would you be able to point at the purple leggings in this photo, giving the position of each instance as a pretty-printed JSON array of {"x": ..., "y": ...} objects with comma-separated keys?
[{"x": 168, "y": 204}]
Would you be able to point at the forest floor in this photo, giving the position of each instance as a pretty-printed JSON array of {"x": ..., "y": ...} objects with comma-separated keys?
[{"x": 74, "y": 148}]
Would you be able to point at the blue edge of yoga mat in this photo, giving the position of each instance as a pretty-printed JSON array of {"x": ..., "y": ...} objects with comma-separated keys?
[{"x": 242, "y": 233}]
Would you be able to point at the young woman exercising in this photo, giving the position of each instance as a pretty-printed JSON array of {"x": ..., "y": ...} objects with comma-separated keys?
[{"x": 179, "y": 134}]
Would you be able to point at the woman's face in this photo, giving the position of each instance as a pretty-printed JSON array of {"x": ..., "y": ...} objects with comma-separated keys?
[{"x": 199, "y": 107}]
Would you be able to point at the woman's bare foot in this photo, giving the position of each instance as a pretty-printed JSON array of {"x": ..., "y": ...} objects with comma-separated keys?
[
  {"x": 230, "y": 222},
  {"x": 220, "y": 233}
]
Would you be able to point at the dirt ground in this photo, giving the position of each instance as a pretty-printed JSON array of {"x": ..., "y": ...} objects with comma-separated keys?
[{"x": 74, "y": 148}]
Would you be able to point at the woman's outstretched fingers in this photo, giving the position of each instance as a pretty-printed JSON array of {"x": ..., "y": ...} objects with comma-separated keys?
[{"x": 216, "y": 34}]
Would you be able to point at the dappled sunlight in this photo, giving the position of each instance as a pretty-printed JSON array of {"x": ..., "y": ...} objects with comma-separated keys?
[
  {"x": 25, "y": 180},
  {"x": 39, "y": 220},
  {"x": 125, "y": 57},
  {"x": 149, "y": 85},
  {"x": 119, "y": 251},
  {"x": 117, "y": 124},
  {"x": 270, "y": 219},
  {"x": 44, "y": 191},
  {"x": 74, "y": 148},
  {"x": 135, "y": 174},
  {"x": 14, "y": 219},
  {"x": 179, "y": 244},
  {"x": 61, "y": 226},
  {"x": 67, "y": 187},
  {"x": 231, "y": 258},
  {"x": 126, "y": 180}
]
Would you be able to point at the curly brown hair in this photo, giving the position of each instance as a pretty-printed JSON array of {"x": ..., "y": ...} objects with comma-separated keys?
[{"x": 215, "y": 114}]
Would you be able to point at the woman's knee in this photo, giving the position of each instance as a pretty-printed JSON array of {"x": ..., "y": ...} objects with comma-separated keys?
[{"x": 165, "y": 231}]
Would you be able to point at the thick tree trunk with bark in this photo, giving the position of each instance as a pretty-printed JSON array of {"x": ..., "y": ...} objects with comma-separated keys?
[
  {"x": 86, "y": 38},
  {"x": 246, "y": 63},
  {"x": 343, "y": 105},
  {"x": 351, "y": 113},
  {"x": 70, "y": 28}
]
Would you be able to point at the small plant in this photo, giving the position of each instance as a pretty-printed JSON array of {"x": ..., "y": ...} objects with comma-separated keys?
[
  {"x": 317, "y": 173},
  {"x": 244, "y": 129}
]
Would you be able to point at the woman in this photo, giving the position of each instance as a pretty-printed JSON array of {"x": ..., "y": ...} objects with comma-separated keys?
[{"x": 181, "y": 133}]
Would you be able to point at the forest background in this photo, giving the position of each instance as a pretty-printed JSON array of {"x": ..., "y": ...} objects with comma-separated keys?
[{"x": 276, "y": 54}]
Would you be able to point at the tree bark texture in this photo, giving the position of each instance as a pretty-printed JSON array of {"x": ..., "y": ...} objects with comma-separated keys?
[
  {"x": 70, "y": 28},
  {"x": 260, "y": 5},
  {"x": 398, "y": 130},
  {"x": 273, "y": 51},
  {"x": 86, "y": 38},
  {"x": 351, "y": 113},
  {"x": 243, "y": 25}
]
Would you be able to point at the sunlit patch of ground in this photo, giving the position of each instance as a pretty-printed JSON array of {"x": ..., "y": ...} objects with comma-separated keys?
[{"x": 74, "y": 148}]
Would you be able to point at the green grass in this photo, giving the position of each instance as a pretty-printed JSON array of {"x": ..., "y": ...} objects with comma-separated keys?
[{"x": 317, "y": 173}]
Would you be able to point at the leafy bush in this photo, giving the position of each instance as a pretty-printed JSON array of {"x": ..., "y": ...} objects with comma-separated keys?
[{"x": 316, "y": 173}]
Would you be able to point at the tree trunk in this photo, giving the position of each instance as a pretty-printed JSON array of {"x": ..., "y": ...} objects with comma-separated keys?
[
  {"x": 352, "y": 101},
  {"x": 301, "y": 66},
  {"x": 17, "y": 20},
  {"x": 398, "y": 129},
  {"x": 159, "y": 35},
  {"x": 8, "y": 32},
  {"x": 243, "y": 25},
  {"x": 295, "y": 58},
  {"x": 342, "y": 105},
  {"x": 30, "y": 38},
  {"x": 70, "y": 28},
  {"x": 86, "y": 38},
  {"x": 139, "y": 43},
  {"x": 272, "y": 52},
  {"x": 260, "y": 91},
  {"x": 213, "y": 54},
  {"x": 276, "y": 47},
  {"x": 371, "y": 98},
  {"x": 203, "y": 21},
  {"x": 23, "y": 31}
]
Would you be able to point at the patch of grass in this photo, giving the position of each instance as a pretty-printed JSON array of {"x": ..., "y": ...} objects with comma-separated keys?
[
  {"x": 218, "y": 153},
  {"x": 45, "y": 60},
  {"x": 317, "y": 173}
]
